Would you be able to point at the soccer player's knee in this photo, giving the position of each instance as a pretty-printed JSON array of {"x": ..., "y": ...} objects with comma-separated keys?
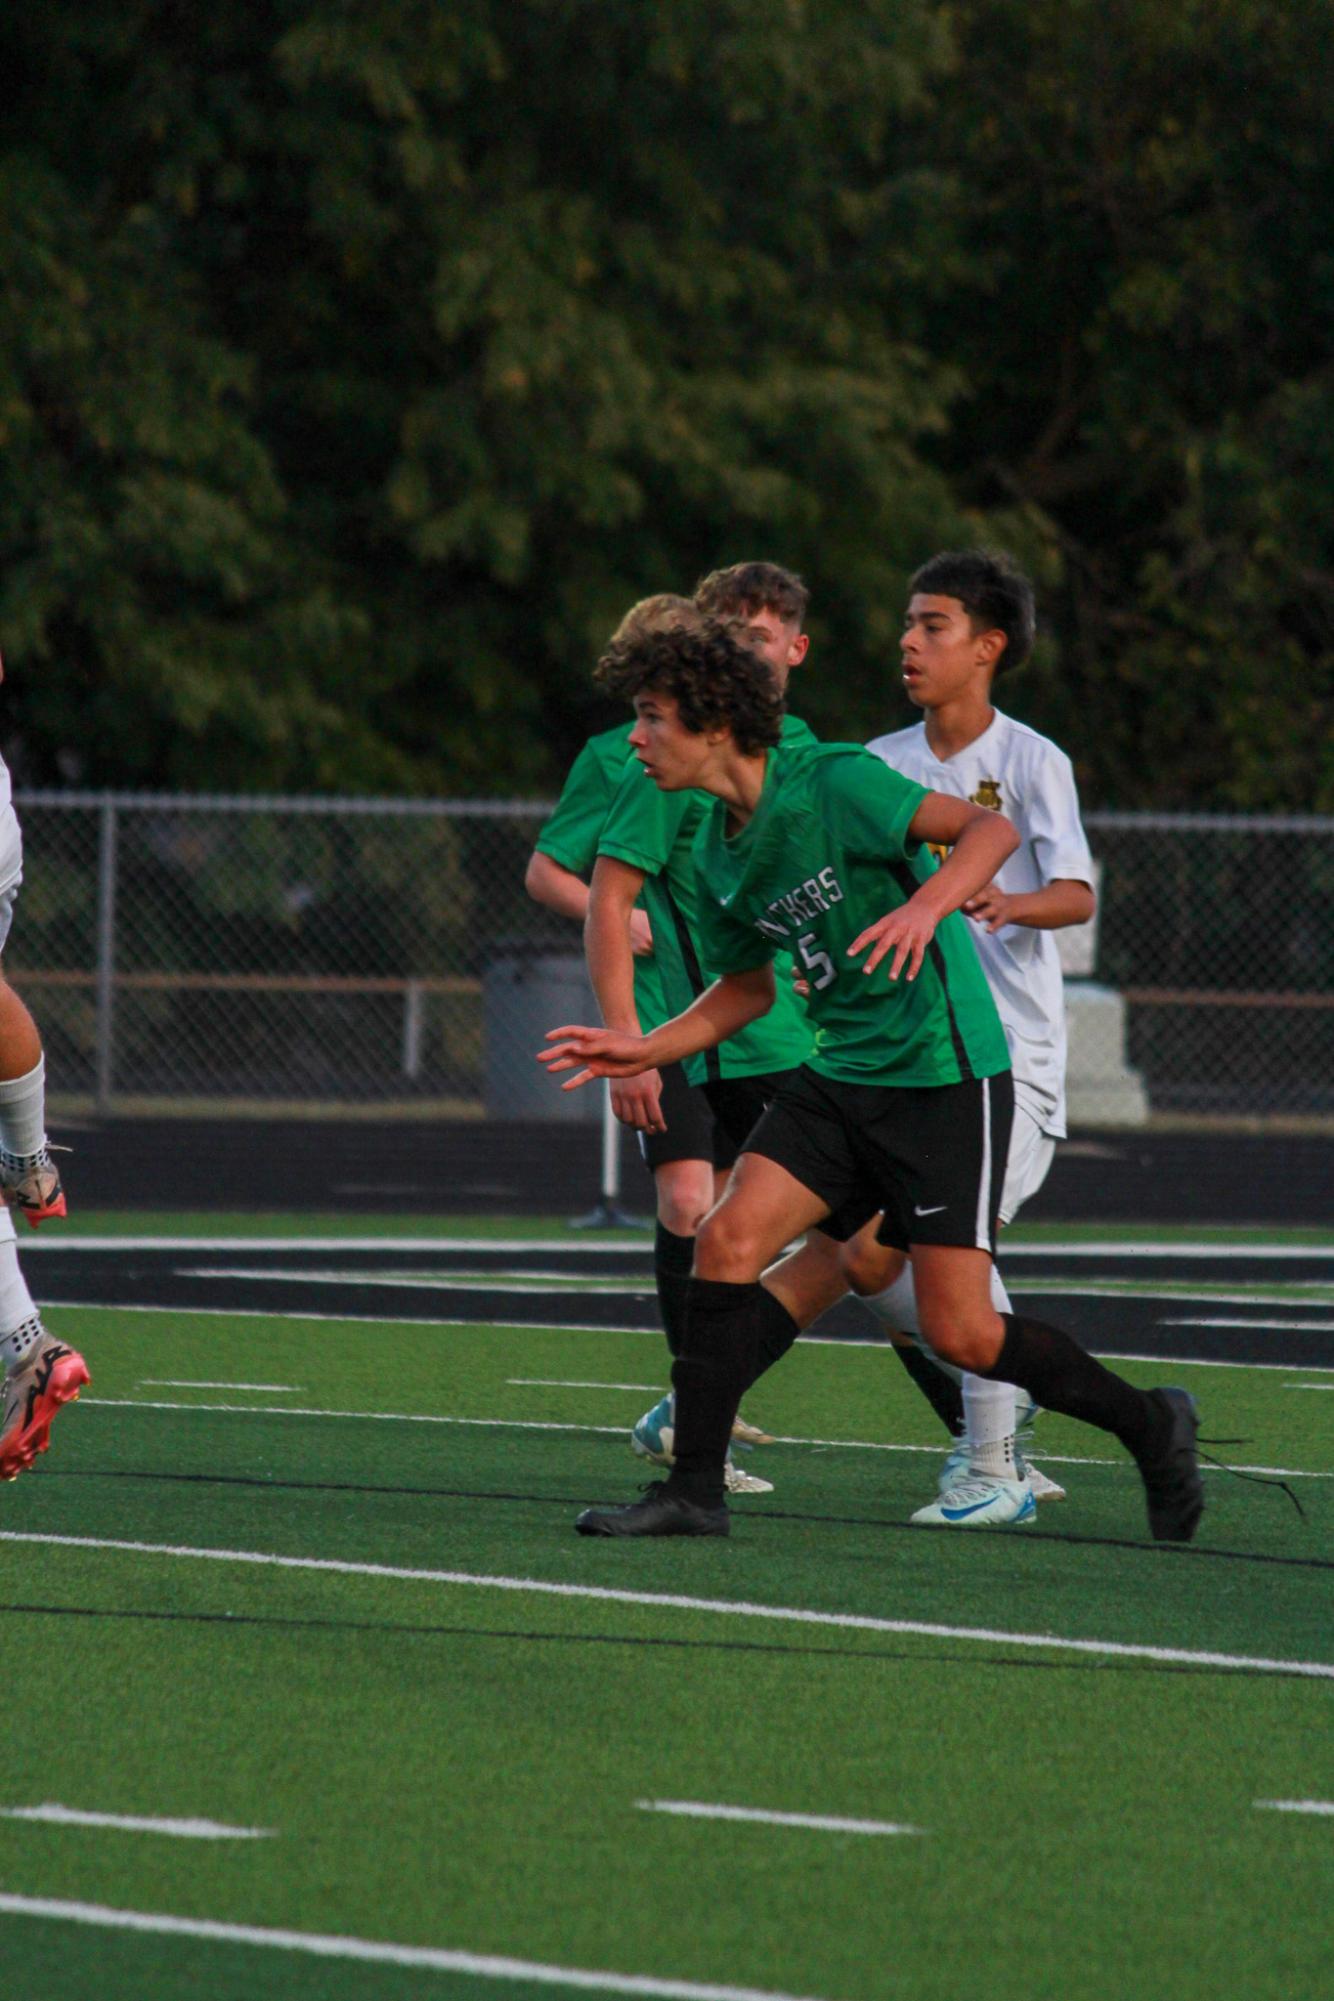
[
  {"x": 967, "y": 1342},
  {"x": 727, "y": 1249},
  {"x": 685, "y": 1195},
  {"x": 681, "y": 1214},
  {"x": 869, "y": 1267}
]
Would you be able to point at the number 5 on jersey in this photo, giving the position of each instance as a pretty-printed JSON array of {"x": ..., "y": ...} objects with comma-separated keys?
[{"x": 818, "y": 964}]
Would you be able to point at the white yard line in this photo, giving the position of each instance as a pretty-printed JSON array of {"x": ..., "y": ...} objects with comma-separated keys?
[
  {"x": 1297, "y": 1806},
  {"x": 605, "y": 1430},
  {"x": 289, "y": 1318},
  {"x": 378, "y": 1952},
  {"x": 825, "y": 1823},
  {"x": 811, "y": 1338},
  {"x": 132, "y": 1823},
  {"x": 1261, "y": 1326},
  {"x": 545, "y": 1285},
  {"x": 567, "y": 1383},
  {"x": 548, "y": 1284},
  {"x": 409, "y": 1246},
  {"x": 409, "y": 1281},
  {"x": 540, "y": 1285},
  {"x": 363, "y": 1416},
  {"x": 1172, "y": 1293},
  {"x": 190, "y": 1383},
  {"x": 1213, "y": 1361},
  {"x": 738, "y": 1608},
  {"x": 1306, "y": 1386}
]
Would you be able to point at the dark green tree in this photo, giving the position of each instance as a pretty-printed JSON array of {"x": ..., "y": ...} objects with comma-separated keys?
[
  {"x": 362, "y": 359},
  {"x": 1147, "y": 338}
]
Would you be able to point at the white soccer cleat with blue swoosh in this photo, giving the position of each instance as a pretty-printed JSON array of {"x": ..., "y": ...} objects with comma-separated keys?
[{"x": 982, "y": 1501}]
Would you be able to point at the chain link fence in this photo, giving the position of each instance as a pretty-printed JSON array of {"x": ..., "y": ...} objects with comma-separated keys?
[{"x": 275, "y": 951}]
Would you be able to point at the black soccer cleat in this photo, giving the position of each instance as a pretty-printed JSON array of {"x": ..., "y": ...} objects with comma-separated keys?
[
  {"x": 1172, "y": 1484},
  {"x": 661, "y": 1512}
]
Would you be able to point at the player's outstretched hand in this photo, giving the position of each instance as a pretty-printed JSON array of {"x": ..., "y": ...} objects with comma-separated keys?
[
  {"x": 602, "y": 1052},
  {"x": 905, "y": 932}
]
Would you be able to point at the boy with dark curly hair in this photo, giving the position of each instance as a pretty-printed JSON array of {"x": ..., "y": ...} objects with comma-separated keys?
[
  {"x": 904, "y": 1104},
  {"x": 645, "y": 856}
]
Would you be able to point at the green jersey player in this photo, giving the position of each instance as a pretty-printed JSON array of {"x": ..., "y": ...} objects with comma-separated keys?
[
  {"x": 645, "y": 857},
  {"x": 567, "y": 847},
  {"x": 904, "y": 1105},
  {"x": 687, "y": 1151}
]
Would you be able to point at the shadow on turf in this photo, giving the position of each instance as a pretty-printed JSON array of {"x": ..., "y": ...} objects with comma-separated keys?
[
  {"x": 1030, "y": 1535},
  {"x": 898, "y": 1654}
]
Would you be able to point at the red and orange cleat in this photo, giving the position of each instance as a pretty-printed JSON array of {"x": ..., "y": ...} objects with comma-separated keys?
[
  {"x": 30, "y": 1184},
  {"x": 49, "y": 1375}
]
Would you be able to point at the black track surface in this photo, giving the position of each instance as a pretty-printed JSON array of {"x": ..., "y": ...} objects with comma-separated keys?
[
  {"x": 336, "y": 1281},
  {"x": 416, "y": 1167}
]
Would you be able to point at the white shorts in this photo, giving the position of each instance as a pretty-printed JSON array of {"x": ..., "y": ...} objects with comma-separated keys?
[
  {"x": 8, "y": 898},
  {"x": 1031, "y": 1152},
  {"x": 11, "y": 868}
]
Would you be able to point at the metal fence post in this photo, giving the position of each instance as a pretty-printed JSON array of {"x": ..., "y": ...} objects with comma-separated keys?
[
  {"x": 414, "y": 1015},
  {"x": 608, "y": 1213},
  {"x": 106, "y": 953}
]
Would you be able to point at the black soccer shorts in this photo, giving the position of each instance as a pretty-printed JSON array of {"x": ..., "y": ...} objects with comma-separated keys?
[
  {"x": 931, "y": 1156},
  {"x": 738, "y": 1104},
  {"x": 691, "y": 1132},
  {"x": 709, "y": 1121}
]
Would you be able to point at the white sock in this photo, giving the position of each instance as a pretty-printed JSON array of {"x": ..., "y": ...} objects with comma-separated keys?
[
  {"x": 989, "y": 1410},
  {"x": 18, "y": 1315},
  {"x": 988, "y": 1407},
  {"x": 988, "y": 1415},
  {"x": 23, "y": 1112}
]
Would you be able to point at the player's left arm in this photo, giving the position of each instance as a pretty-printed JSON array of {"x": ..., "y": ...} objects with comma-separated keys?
[
  {"x": 1046, "y": 807},
  {"x": 979, "y": 841},
  {"x": 1050, "y": 908}
]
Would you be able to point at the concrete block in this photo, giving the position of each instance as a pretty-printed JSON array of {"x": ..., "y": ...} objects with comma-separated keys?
[{"x": 1101, "y": 1088}]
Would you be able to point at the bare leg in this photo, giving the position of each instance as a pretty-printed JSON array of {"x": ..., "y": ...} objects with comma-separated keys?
[
  {"x": 40, "y": 1373},
  {"x": 20, "y": 1044}
]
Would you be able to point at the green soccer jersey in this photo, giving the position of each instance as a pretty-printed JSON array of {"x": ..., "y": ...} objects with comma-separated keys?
[
  {"x": 572, "y": 833},
  {"x": 826, "y": 853},
  {"x": 655, "y": 831}
]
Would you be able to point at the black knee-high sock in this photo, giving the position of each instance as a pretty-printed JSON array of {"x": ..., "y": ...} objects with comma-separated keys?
[
  {"x": 1059, "y": 1375},
  {"x": 672, "y": 1258},
  {"x": 717, "y": 1362},
  {"x": 776, "y": 1331},
  {"x": 940, "y": 1390}
]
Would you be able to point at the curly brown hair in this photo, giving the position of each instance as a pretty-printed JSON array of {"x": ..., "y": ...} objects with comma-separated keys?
[
  {"x": 746, "y": 588},
  {"x": 716, "y": 682}
]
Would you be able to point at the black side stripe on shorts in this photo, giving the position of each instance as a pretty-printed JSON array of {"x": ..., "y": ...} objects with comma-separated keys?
[
  {"x": 909, "y": 884},
  {"x": 713, "y": 1068}
]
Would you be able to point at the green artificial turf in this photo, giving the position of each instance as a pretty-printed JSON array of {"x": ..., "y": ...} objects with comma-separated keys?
[{"x": 457, "y": 1763}]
